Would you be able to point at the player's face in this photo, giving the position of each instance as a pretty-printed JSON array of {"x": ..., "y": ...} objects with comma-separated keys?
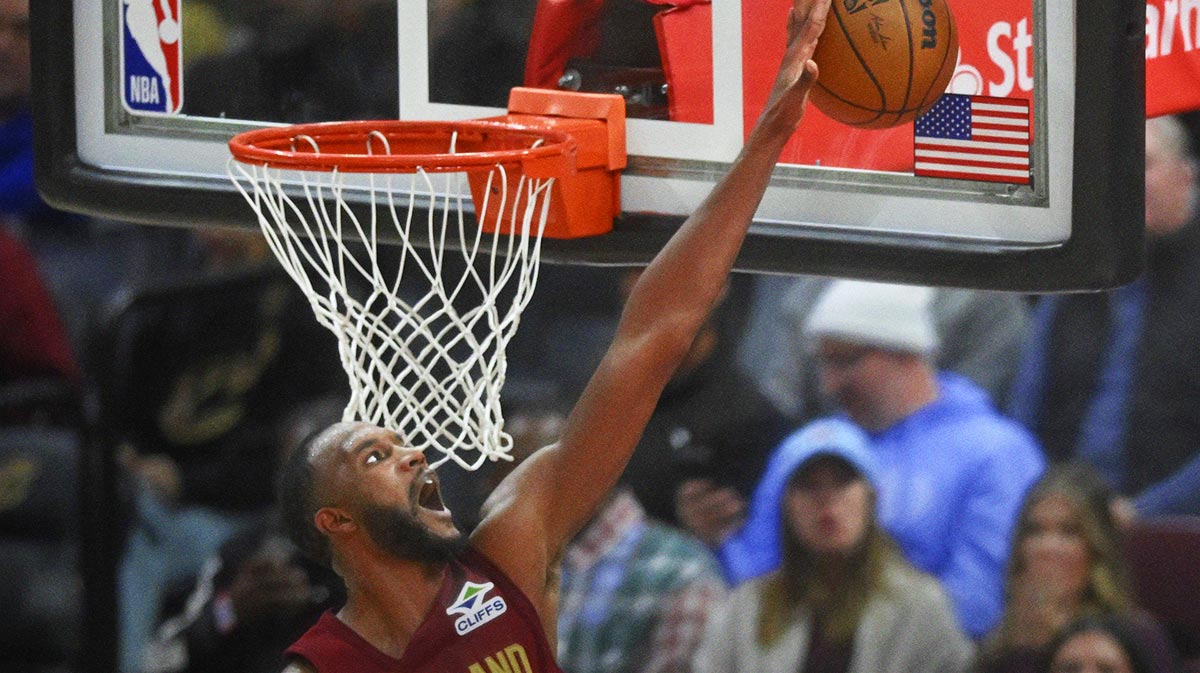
[
  {"x": 377, "y": 472},
  {"x": 14, "y": 50},
  {"x": 828, "y": 506},
  {"x": 399, "y": 533}
]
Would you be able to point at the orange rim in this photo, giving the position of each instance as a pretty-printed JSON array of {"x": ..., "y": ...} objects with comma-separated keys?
[{"x": 359, "y": 147}]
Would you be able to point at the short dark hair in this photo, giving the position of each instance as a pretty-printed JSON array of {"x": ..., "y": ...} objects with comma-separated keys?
[
  {"x": 298, "y": 503},
  {"x": 1123, "y": 628}
]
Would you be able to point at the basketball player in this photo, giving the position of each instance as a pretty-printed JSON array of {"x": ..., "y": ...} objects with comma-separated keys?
[{"x": 420, "y": 599}]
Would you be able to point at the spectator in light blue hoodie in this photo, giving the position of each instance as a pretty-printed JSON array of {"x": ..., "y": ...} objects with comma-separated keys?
[{"x": 953, "y": 471}]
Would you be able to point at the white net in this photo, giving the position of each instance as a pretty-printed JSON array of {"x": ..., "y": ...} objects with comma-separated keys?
[{"x": 421, "y": 329}]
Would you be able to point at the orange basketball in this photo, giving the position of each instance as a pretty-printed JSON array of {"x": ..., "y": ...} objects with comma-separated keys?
[{"x": 884, "y": 62}]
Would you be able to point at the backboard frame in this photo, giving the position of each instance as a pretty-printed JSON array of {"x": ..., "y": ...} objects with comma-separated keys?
[{"x": 1104, "y": 249}]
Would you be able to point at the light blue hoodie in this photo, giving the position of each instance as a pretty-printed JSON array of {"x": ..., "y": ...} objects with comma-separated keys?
[{"x": 950, "y": 481}]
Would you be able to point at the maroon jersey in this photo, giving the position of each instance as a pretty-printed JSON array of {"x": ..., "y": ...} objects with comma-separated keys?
[{"x": 480, "y": 622}]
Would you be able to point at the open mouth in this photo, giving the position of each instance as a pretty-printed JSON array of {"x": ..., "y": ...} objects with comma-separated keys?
[{"x": 429, "y": 495}]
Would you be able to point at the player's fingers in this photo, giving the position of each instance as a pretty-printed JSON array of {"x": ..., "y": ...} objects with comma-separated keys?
[
  {"x": 806, "y": 22},
  {"x": 794, "y": 91},
  {"x": 793, "y": 26},
  {"x": 808, "y": 77}
]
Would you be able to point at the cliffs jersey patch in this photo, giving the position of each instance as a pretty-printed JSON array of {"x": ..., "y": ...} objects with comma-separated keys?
[{"x": 474, "y": 608}]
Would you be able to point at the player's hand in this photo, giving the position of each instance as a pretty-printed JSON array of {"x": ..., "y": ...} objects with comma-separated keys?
[
  {"x": 709, "y": 512},
  {"x": 798, "y": 72}
]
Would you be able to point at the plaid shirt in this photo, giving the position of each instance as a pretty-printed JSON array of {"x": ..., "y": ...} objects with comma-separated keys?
[{"x": 635, "y": 595}]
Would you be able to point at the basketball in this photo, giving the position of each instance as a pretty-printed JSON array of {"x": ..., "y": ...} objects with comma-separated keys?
[{"x": 884, "y": 62}]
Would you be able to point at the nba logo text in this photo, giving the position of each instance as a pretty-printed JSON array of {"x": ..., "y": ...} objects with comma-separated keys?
[{"x": 151, "y": 57}]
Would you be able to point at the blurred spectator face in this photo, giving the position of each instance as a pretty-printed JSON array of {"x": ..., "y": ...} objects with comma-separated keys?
[
  {"x": 858, "y": 378},
  {"x": 1091, "y": 652},
  {"x": 226, "y": 249},
  {"x": 828, "y": 506},
  {"x": 1170, "y": 179},
  {"x": 1054, "y": 539},
  {"x": 530, "y": 431},
  {"x": 14, "y": 51},
  {"x": 286, "y": 25}
]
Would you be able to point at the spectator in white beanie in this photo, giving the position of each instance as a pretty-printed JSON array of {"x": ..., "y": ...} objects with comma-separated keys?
[
  {"x": 980, "y": 334},
  {"x": 873, "y": 343},
  {"x": 953, "y": 471},
  {"x": 892, "y": 317}
]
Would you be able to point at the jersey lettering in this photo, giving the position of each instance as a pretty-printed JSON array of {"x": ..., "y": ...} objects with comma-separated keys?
[{"x": 511, "y": 659}]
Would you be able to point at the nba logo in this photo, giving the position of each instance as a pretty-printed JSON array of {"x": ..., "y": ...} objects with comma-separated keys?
[{"x": 151, "y": 61}]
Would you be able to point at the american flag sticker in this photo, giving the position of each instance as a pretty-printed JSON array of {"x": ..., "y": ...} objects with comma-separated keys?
[{"x": 973, "y": 138}]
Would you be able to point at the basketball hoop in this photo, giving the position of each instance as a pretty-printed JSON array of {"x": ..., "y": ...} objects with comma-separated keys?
[{"x": 427, "y": 361}]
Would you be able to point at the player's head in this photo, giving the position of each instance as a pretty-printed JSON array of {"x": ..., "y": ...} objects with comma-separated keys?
[
  {"x": 356, "y": 485},
  {"x": 1171, "y": 173},
  {"x": 14, "y": 54},
  {"x": 870, "y": 341}
]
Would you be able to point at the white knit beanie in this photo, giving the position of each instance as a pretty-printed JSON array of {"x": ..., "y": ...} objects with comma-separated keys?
[{"x": 889, "y": 317}]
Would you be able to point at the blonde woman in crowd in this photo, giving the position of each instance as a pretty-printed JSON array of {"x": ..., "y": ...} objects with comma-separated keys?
[{"x": 1067, "y": 563}]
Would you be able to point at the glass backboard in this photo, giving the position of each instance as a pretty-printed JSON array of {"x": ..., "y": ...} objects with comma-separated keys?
[{"x": 136, "y": 100}]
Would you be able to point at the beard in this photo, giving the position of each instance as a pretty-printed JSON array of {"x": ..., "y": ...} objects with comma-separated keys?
[{"x": 400, "y": 534}]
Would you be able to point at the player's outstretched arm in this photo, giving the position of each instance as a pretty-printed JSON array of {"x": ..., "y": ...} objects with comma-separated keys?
[{"x": 533, "y": 513}]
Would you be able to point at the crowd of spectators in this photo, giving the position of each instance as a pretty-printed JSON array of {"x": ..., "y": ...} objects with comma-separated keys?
[
  {"x": 953, "y": 470},
  {"x": 843, "y": 476}
]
